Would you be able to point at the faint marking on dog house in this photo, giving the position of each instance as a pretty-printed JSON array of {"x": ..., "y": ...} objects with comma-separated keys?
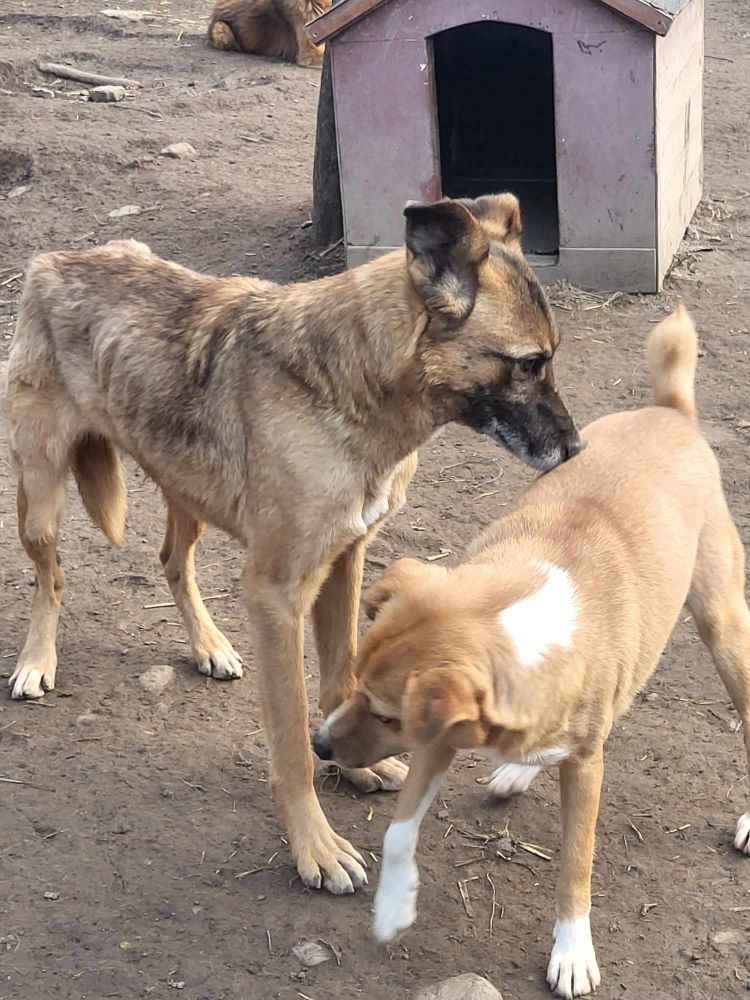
[{"x": 589, "y": 110}]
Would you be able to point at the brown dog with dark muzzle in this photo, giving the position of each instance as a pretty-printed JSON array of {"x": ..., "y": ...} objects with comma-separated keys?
[
  {"x": 288, "y": 416},
  {"x": 535, "y": 645}
]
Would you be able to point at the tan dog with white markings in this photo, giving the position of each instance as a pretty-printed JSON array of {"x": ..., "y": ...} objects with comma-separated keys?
[
  {"x": 535, "y": 645},
  {"x": 288, "y": 416}
]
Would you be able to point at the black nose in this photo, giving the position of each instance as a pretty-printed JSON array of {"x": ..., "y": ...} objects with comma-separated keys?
[
  {"x": 572, "y": 446},
  {"x": 322, "y": 747}
]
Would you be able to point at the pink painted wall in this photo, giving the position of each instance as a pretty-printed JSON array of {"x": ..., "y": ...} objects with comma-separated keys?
[{"x": 604, "y": 83}]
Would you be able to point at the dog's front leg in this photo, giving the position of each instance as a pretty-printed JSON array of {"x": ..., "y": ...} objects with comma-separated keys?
[
  {"x": 276, "y": 614},
  {"x": 396, "y": 898},
  {"x": 335, "y": 623},
  {"x": 572, "y": 970},
  {"x": 309, "y": 55}
]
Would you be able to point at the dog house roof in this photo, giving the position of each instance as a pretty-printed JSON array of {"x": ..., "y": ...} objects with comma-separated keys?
[{"x": 656, "y": 15}]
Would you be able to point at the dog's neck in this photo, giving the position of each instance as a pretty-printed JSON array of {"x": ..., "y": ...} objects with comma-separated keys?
[{"x": 350, "y": 340}]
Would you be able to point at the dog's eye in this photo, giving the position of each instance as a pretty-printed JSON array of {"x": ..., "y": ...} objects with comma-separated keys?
[
  {"x": 384, "y": 719},
  {"x": 532, "y": 366}
]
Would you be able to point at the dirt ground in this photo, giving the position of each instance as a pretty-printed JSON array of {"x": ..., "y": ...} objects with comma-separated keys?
[{"x": 139, "y": 850}]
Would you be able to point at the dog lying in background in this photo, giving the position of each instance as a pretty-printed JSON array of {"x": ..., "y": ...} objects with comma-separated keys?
[
  {"x": 535, "y": 645},
  {"x": 273, "y": 28},
  {"x": 289, "y": 417}
]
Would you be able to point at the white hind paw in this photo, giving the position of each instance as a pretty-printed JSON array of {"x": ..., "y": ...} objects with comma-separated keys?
[
  {"x": 512, "y": 779},
  {"x": 30, "y": 680},
  {"x": 742, "y": 834}
]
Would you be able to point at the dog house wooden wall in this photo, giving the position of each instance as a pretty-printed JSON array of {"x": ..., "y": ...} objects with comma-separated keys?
[{"x": 590, "y": 110}]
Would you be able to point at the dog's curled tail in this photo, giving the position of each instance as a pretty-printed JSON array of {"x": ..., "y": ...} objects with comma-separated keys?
[
  {"x": 98, "y": 474},
  {"x": 672, "y": 352}
]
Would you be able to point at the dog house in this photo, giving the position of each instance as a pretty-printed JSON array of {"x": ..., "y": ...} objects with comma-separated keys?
[{"x": 590, "y": 111}]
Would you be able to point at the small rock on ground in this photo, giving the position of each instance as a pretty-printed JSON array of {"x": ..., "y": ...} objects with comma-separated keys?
[
  {"x": 127, "y": 15},
  {"x": 157, "y": 679},
  {"x": 180, "y": 151},
  {"x": 45, "y": 92},
  {"x": 728, "y": 937},
  {"x": 120, "y": 213},
  {"x": 310, "y": 953},
  {"x": 87, "y": 719},
  {"x": 466, "y": 987},
  {"x": 107, "y": 94}
]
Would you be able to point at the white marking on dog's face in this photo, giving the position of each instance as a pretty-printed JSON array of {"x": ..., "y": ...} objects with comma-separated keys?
[
  {"x": 325, "y": 728},
  {"x": 545, "y": 619},
  {"x": 572, "y": 970},
  {"x": 396, "y": 898}
]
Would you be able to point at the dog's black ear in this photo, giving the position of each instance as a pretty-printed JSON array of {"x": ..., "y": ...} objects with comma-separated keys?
[
  {"x": 499, "y": 215},
  {"x": 445, "y": 246}
]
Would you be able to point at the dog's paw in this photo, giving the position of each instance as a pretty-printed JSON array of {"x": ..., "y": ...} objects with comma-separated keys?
[
  {"x": 396, "y": 902},
  {"x": 313, "y": 59},
  {"x": 32, "y": 680},
  {"x": 742, "y": 834},
  {"x": 572, "y": 970},
  {"x": 511, "y": 779},
  {"x": 386, "y": 776},
  {"x": 218, "y": 659},
  {"x": 325, "y": 860}
]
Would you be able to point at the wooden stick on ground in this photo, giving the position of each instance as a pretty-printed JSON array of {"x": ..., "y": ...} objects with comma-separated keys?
[{"x": 82, "y": 76}]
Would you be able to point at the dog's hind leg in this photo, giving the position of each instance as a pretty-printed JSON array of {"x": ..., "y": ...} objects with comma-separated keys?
[
  {"x": 717, "y": 602},
  {"x": 221, "y": 36},
  {"x": 213, "y": 653},
  {"x": 41, "y": 502},
  {"x": 335, "y": 623}
]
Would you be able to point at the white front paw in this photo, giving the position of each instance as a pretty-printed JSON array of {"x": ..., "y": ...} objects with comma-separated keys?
[
  {"x": 396, "y": 902},
  {"x": 572, "y": 970},
  {"x": 221, "y": 664},
  {"x": 742, "y": 834},
  {"x": 32, "y": 680}
]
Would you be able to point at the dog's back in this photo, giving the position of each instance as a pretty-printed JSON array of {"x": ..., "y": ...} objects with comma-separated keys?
[
  {"x": 43, "y": 410},
  {"x": 107, "y": 340},
  {"x": 634, "y": 508}
]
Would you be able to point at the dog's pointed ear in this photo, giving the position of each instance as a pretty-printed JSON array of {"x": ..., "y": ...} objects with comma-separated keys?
[
  {"x": 398, "y": 574},
  {"x": 445, "y": 245},
  {"x": 448, "y": 705},
  {"x": 499, "y": 215}
]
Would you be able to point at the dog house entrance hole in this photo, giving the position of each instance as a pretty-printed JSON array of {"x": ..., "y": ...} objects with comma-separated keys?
[{"x": 496, "y": 120}]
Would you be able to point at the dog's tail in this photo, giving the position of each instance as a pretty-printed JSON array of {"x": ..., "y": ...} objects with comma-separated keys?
[
  {"x": 672, "y": 352},
  {"x": 98, "y": 473}
]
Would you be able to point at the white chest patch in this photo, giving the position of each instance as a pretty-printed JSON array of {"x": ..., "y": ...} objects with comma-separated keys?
[
  {"x": 375, "y": 510},
  {"x": 545, "y": 619}
]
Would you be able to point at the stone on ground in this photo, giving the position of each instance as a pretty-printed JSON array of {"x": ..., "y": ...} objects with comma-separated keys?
[{"x": 466, "y": 987}]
